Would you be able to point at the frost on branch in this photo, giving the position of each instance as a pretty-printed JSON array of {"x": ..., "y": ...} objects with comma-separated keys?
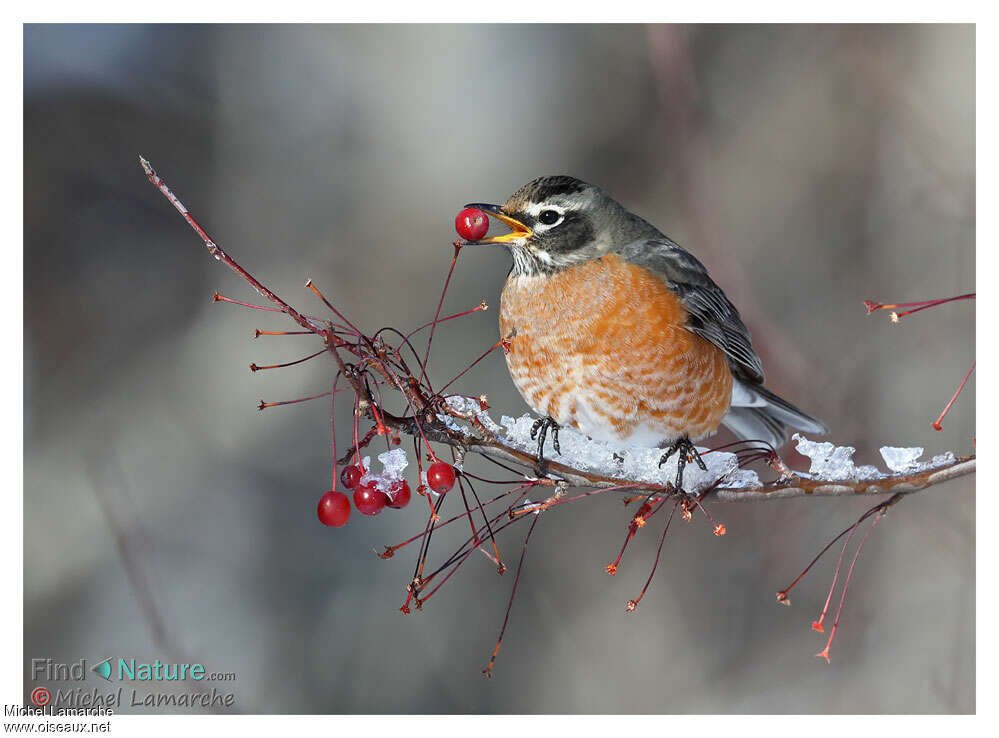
[
  {"x": 633, "y": 463},
  {"x": 831, "y": 462},
  {"x": 605, "y": 459},
  {"x": 835, "y": 463},
  {"x": 585, "y": 461},
  {"x": 906, "y": 459}
]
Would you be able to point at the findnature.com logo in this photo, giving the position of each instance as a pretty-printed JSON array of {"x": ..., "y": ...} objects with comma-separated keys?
[{"x": 145, "y": 675}]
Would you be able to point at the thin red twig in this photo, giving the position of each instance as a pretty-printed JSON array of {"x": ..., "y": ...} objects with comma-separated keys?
[
  {"x": 917, "y": 306},
  {"x": 846, "y": 585},
  {"x": 937, "y": 424},
  {"x": 215, "y": 250},
  {"x": 440, "y": 304},
  {"x": 488, "y": 671}
]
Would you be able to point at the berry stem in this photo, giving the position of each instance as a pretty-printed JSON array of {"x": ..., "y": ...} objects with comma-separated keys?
[
  {"x": 782, "y": 595},
  {"x": 468, "y": 512},
  {"x": 412, "y": 349},
  {"x": 516, "y": 580},
  {"x": 817, "y": 625},
  {"x": 468, "y": 368},
  {"x": 499, "y": 559},
  {"x": 263, "y": 405},
  {"x": 917, "y": 306},
  {"x": 217, "y": 297},
  {"x": 482, "y": 506},
  {"x": 258, "y": 333},
  {"x": 645, "y": 513},
  {"x": 462, "y": 554},
  {"x": 440, "y": 304},
  {"x": 719, "y": 528},
  {"x": 471, "y": 544},
  {"x": 255, "y": 368},
  {"x": 481, "y": 306},
  {"x": 333, "y": 391},
  {"x": 846, "y": 585},
  {"x": 351, "y": 453},
  {"x": 336, "y": 312},
  {"x": 354, "y": 430},
  {"x": 633, "y": 604},
  {"x": 425, "y": 547},
  {"x": 937, "y": 423}
]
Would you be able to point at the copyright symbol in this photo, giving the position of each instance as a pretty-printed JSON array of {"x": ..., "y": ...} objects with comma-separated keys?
[{"x": 40, "y": 696}]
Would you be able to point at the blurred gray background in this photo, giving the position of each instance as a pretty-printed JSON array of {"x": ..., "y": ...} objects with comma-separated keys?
[{"x": 809, "y": 167}]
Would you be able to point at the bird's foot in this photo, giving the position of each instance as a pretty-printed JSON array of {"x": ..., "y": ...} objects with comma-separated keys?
[
  {"x": 688, "y": 452},
  {"x": 540, "y": 431}
]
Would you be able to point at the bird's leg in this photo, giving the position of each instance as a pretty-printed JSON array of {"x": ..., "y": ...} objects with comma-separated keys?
[
  {"x": 540, "y": 431},
  {"x": 687, "y": 450}
]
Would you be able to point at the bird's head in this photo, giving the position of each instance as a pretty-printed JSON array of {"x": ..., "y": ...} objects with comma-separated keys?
[{"x": 556, "y": 222}]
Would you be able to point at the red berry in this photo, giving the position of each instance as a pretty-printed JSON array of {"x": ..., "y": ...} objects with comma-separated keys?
[
  {"x": 440, "y": 477},
  {"x": 471, "y": 224},
  {"x": 334, "y": 509},
  {"x": 350, "y": 476},
  {"x": 369, "y": 500},
  {"x": 400, "y": 495}
]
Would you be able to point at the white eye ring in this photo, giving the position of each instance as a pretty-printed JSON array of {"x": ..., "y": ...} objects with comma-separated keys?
[{"x": 543, "y": 224}]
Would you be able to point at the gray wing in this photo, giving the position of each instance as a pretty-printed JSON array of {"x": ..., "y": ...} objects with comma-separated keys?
[{"x": 712, "y": 316}]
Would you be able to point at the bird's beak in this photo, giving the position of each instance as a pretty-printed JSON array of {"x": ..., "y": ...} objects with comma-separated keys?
[{"x": 518, "y": 230}]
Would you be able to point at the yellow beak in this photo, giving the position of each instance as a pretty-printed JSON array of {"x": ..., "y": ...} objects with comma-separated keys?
[{"x": 517, "y": 229}]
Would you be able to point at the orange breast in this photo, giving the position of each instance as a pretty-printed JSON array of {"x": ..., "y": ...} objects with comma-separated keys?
[{"x": 602, "y": 347}]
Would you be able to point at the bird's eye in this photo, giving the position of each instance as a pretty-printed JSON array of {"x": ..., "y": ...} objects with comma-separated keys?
[{"x": 549, "y": 217}]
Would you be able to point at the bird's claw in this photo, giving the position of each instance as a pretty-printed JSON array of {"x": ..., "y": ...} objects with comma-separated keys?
[
  {"x": 540, "y": 431},
  {"x": 686, "y": 449}
]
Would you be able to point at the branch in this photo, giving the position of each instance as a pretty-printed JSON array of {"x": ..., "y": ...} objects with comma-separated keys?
[
  {"x": 431, "y": 418},
  {"x": 787, "y": 487}
]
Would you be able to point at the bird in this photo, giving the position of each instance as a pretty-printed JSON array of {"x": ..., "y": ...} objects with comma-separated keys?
[{"x": 612, "y": 328}]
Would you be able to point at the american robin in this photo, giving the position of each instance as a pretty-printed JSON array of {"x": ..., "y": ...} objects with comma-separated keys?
[{"x": 616, "y": 330}]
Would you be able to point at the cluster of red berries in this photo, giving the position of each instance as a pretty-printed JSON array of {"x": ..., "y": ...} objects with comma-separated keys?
[
  {"x": 334, "y": 507},
  {"x": 471, "y": 224}
]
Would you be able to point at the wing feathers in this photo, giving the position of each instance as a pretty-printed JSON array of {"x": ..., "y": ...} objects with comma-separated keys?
[
  {"x": 711, "y": 315},
  {"x": 756, "y": 412}
]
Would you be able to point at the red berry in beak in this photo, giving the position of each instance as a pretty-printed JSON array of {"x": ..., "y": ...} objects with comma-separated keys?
[
  {"x": 471, "y": 224},
  {"x": 334, "y": 509},
  {"x": 369, "y": 500},
  {"x": 440, "y": 477}
]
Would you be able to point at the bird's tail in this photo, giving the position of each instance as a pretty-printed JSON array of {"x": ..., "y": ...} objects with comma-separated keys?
[{"x": 757, "y": 413}]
